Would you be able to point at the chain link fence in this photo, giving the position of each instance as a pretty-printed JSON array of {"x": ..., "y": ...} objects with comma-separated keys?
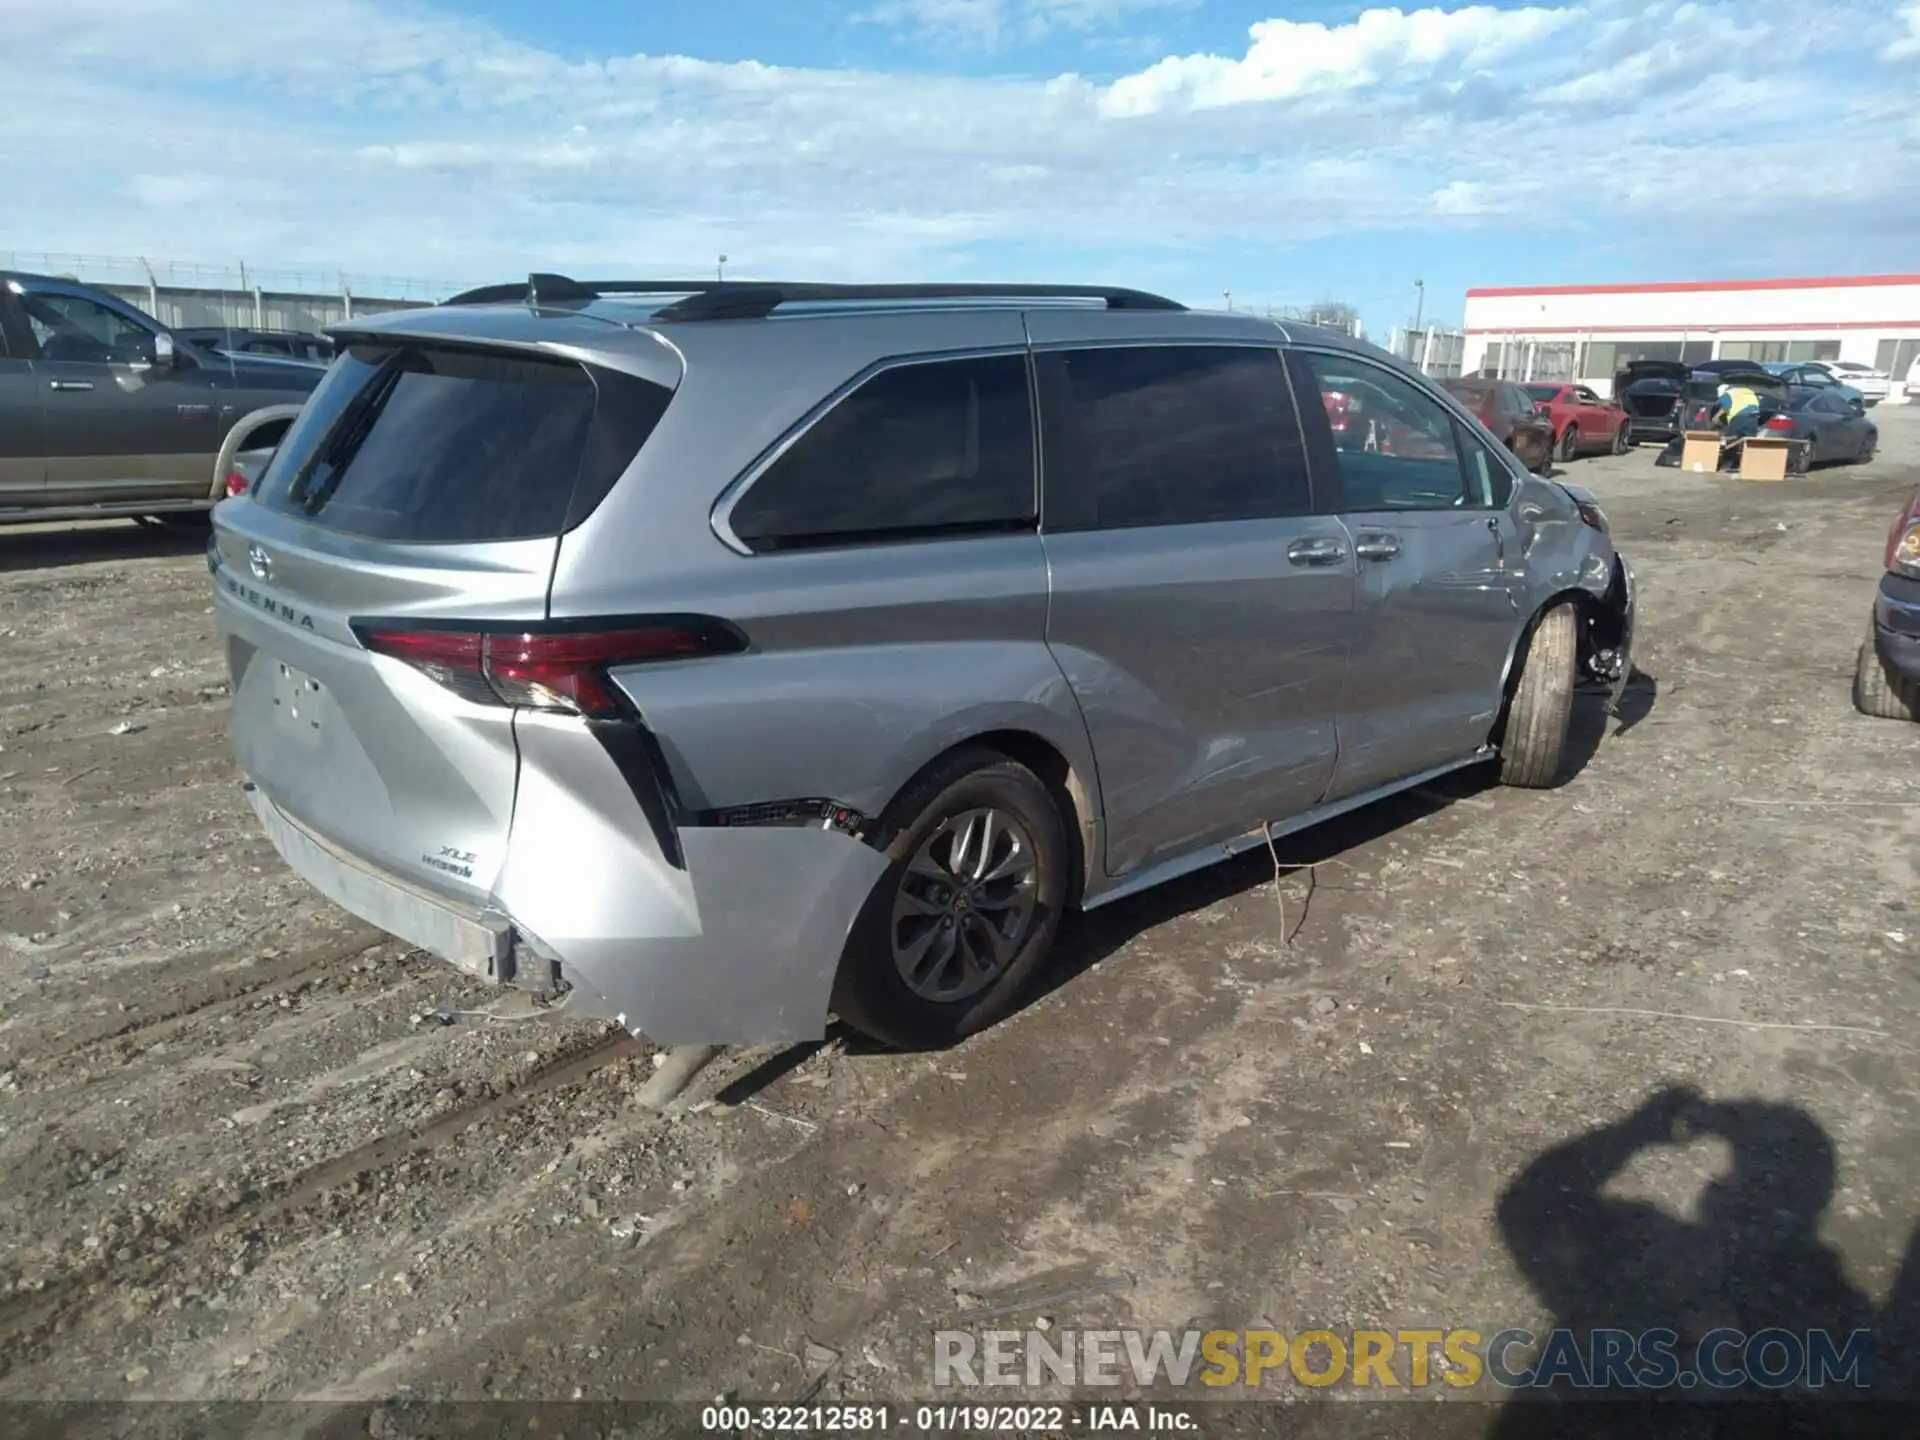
[{"x": 186, "y": 293}]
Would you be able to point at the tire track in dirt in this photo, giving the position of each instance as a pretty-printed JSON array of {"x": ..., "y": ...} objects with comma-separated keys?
[
  {"x": 27, "y": 1319},
  {"x": 262, "y": 980}
]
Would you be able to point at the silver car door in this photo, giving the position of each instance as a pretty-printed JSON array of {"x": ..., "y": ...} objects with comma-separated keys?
[
  {"x": 1200, "y": 608},
  {"x": 1440, "y": 572}
]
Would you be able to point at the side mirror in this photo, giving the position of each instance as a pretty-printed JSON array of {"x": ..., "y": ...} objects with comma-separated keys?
[{"x": 163, "y": 352}]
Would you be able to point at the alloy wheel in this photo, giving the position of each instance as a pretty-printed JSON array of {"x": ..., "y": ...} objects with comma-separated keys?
[{"x": 965, "y": 904}]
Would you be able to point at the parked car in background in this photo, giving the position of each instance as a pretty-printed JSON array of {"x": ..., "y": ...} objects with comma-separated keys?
[
  {"x": 105, "y": 413},
  {"x": 1509, "y": 412},
  {"x": 1813, "y": 376},
  {"x": 1886, "y": 680},
  {"x": 1582, "y": 421},
  {"x": 287, "y": 344},
  {"x": 1832, "y": 427},
  {"x": 702, "y": 659},
  {"x": 1912, "y": 383},
  {"x": 1665, "y": 398},
  {"x": 1651, "y": 393},
  {"x": 1873, "y": 385},
  {"x": 1826, "y": 427}
]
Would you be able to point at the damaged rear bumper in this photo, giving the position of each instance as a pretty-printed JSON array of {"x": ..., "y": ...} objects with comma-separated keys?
[{"x": 735, "y": 941}]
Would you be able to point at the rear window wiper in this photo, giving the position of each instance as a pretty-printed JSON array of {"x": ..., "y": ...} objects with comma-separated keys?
[{"x": 349, "y": 433}]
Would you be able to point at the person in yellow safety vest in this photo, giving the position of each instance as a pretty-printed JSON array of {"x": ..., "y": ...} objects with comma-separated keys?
[{"x": 1737, "y": 401}]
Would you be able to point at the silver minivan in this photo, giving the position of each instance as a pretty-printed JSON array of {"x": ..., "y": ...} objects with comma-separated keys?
[{"x": 719, "y": 658}]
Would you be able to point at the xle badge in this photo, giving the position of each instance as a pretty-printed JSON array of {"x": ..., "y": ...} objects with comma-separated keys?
[{"x": 458, "y": 863}]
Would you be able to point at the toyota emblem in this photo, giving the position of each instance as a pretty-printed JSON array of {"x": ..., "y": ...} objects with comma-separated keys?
[{"x": 259, "y": 562}]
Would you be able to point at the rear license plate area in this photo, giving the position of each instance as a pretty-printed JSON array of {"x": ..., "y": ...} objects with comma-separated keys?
[{"x": 298, "y": 698}]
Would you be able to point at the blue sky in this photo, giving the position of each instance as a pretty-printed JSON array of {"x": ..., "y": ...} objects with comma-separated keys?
[{"x": 1283, "y": 152}]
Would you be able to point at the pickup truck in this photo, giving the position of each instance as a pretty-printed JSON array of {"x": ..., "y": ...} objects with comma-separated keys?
[{"x": 106, "y": 413}]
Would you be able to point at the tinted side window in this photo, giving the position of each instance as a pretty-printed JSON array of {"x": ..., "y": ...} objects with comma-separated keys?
[
  {"x": 70, "y": 328},
  {"x": 1489, "y": 480},
  {"x": 917, "y": 452},
  {"x": 1398, "y": 449},
  {"x": 1171, "y": 435}
]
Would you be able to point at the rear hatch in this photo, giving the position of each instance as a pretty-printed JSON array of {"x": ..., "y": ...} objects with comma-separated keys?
[
  {"x": 381, "y": 585},
  {"x": 1650, "y": 389}
]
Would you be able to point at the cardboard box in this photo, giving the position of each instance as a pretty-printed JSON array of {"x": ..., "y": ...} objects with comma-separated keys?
[
  {"x": 1764, "y": 459},
  {"x": 1700, "y": 454}
]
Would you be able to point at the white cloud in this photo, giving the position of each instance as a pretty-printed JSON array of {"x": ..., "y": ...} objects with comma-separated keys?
[
  {"x": 988, "y": 24},
  {"x": 1289, "y": 58},
  {"x": 1906, "y": 46},
  {"x": 404, "y": 140}
]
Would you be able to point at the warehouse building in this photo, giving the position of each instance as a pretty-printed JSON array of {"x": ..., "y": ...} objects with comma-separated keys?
[{"x": 1587, "y": 332}]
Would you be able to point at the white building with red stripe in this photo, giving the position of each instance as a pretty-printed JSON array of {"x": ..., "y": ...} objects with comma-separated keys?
[{"x": 1587, "y": 332}]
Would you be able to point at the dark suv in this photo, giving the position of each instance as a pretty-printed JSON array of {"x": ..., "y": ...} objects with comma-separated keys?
[
  {"x": 244, "y": 341},
  {"x": 105, "y": 412}
]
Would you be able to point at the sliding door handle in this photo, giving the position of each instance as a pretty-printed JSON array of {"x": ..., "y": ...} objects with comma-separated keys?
[{"x": 1316, "y": 552}]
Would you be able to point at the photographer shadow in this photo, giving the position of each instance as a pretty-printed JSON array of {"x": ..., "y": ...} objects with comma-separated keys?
[{"x": 1750, "y": 1260}]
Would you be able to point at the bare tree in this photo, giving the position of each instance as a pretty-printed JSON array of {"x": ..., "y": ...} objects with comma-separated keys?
[{"x": 1334, "y": 314}]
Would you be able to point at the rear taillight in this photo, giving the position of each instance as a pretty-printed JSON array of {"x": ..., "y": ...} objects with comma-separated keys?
[
  {"x": 237, "y": 484},
  {"x": 1779, "y": 424},
  {"x": 1903, "y": 540},
  {"x": 563, "y": 670}
]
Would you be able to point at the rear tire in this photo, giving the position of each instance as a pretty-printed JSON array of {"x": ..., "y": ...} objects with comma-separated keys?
[
  {"x": 1877, "y": 693},
  {"x": 906, "y": 922},
  {"x": 1533, "y": 743},
  {"x": 1622, "y": 442}
]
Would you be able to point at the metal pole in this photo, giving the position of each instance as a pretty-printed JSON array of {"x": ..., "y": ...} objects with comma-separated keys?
[
  {"x": 346, "y": 297},
  {"x": 1227, "y": 295},
  {"x": 1420, "y": 303},
  {"x": 720, "y": 270},
  {"x": 153, "y": 289}
]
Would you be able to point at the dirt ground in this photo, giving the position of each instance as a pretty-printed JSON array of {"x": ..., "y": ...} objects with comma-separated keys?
[{"x": 250, "y": 1150}]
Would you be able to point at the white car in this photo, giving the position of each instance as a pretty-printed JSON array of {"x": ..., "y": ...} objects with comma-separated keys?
[
  {"x": 1913, "y": 379},
  {"x": 1873, "y": 385}
]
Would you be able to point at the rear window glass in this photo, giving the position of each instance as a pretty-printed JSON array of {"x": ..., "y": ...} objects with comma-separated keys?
[
  {"x": 1542, "y": 392},
  {"x": 434, "y": 445}
]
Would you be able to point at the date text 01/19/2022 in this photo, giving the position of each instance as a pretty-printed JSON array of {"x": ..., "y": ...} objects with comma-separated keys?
[{"x": 935, "y": 1419}]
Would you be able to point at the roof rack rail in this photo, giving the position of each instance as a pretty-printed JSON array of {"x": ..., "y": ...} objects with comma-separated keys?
[{"x": 755, "y": 299}]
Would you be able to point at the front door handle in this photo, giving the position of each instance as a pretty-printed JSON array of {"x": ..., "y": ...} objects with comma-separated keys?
[
  {"x": 1499, "y": 541},
  {"x": 70, "y": 384},
  {"x": 1377, "y": 547},
  {"x": 1316, "y": 552}
]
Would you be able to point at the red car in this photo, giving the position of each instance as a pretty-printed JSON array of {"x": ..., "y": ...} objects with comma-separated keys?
[{"x": 1582, "y": 421}]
